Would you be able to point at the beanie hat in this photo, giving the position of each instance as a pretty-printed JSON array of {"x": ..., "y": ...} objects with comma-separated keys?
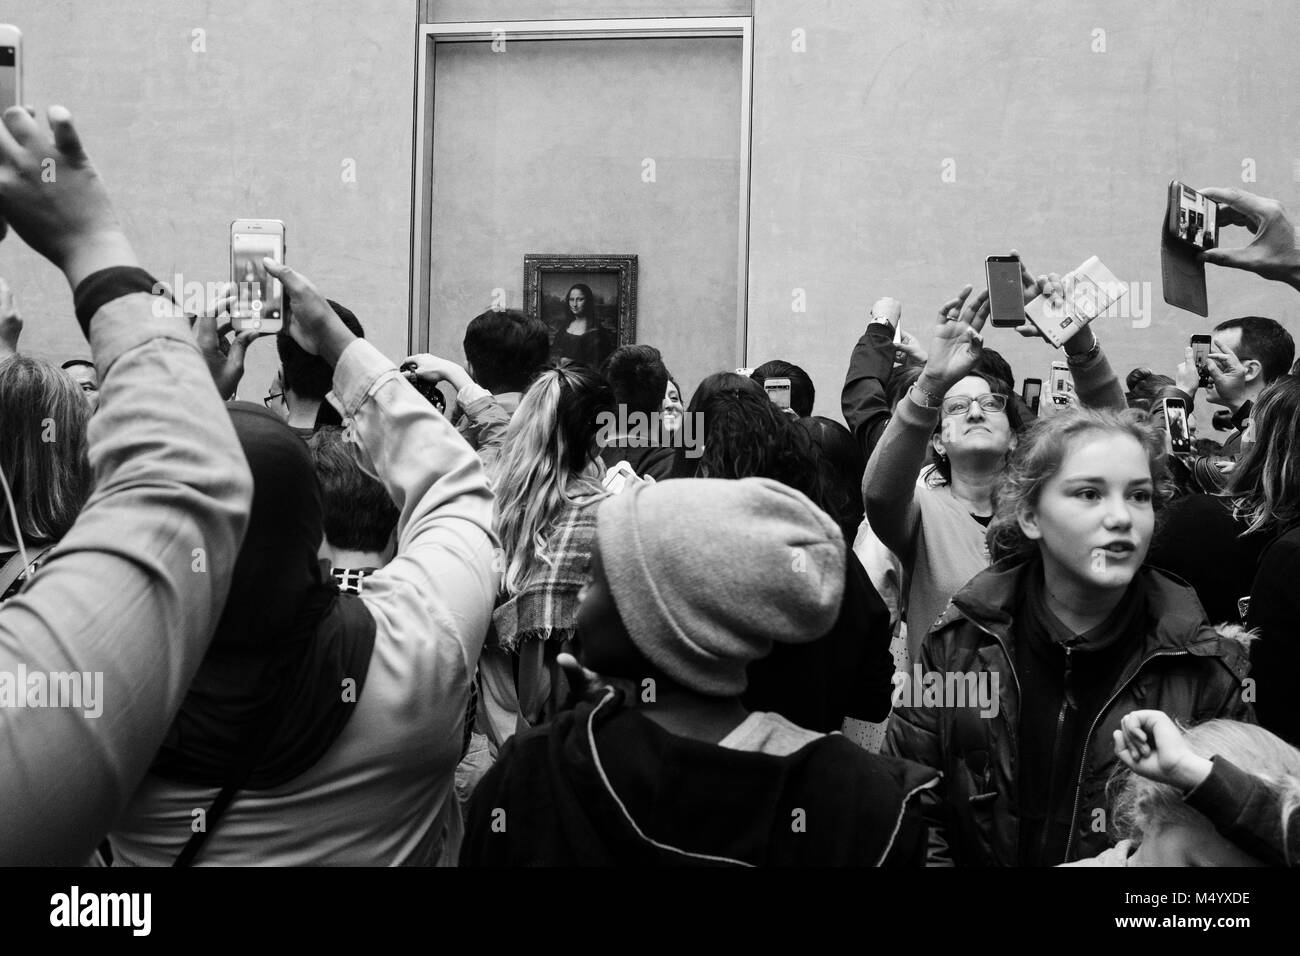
[{"x": 707, "y": 573}]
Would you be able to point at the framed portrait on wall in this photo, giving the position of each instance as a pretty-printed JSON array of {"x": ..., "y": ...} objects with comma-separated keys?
[{"x": 588, "y": 302}]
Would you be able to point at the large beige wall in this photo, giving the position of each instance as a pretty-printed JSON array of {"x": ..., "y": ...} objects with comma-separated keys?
[
  {"x": 1059, "y": 151},
  {"x": 259, "y": 125}
]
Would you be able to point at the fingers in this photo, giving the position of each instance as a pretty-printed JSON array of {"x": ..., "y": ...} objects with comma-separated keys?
[
  {"x": 978, "y": 310},
  {"x": 949, "y": 311},
  {"x": 204, "y": 328},
  {"x": 22, "y": 127},
  {"x": 1236, "y": 206},
  {"x": 65, "y": 134}
]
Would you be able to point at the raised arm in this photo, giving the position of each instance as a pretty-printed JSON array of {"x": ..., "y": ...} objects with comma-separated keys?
[{"x": 130, "y": 597}]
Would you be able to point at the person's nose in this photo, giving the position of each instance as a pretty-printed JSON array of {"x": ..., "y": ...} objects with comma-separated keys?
[
  {"x": 975, "y": 413},
  {"x": 1118, "y": 517}
]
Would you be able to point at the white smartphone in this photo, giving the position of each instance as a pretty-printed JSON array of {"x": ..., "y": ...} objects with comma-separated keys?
[
  {"x": 617, "y": 478},
  {"x": 1062, "y": 383},
  {"x": 11, "y": 66},
  {"x": 259, "y": 298},
  {"x": 778, "y": 390}
]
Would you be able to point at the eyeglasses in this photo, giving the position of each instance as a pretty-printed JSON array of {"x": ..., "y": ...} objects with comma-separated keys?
[
  {"x": 272, "y": 395},
  {"x": 961, "y": 404}
]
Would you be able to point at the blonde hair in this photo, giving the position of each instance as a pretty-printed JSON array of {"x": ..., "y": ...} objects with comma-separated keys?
[
  {"x": 1142, "y": 805},
  {"x": 547, "y": 465}
]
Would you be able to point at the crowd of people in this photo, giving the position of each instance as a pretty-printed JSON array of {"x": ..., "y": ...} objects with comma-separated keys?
[{"x": 342, "y": 626}]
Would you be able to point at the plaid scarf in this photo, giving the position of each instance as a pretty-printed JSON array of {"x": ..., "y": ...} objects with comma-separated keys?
[{"x": 546, "y": 607}]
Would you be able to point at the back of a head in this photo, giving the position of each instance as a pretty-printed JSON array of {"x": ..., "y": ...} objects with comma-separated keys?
[
  {"x": 802, "y": 393},
  {"x": 306, "y": 375},
  {"x": 736, "y": 565},
  {"x": 638, "y": 377},
  {"x": 358, "y": 514},
  {"x": 1142, "y": 805},
  {"x": 747, "y": 436},
  {"x": 1265, "y": 341},
  {"x": 506, "y": 349},
  {"x": 842, "y": 468},
  {"x": 992, "y": 363},
  {"x": 548, "y": 460},
  {"x": 43, "y": 449}
]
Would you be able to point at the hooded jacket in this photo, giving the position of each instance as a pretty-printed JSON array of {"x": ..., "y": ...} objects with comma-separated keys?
[
  {"x": 606, "y": 786},
  {"x": 1179, "y": 664}
]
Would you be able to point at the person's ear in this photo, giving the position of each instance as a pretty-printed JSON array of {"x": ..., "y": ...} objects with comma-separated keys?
[
  {"x": 936, "y": 442},
  {"x": 1013, "y": 440},
  {"x": 1254, "y": 370},
  {"x": 1027, "y": 518}
]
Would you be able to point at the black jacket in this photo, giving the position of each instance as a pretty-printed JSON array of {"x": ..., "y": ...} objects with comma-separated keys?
[
  {"x": 606, "y": 786},
  {"x": 1275, "y": 657},
  {"x": 1178, "y": 664}
]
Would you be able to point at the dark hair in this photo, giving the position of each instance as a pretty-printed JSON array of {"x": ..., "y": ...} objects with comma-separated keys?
[
  {"x": 358, "y": 513},
  {"x": 638, "y": 377},
  {"x": 43, "y": 449},
  {"x": 303, "y": 373},
  {"x": 842, "y": 469},
  {"x": 1144, "y": 387},
  {"x": 992, "y": 362},
  {"x": 747, "y": 436},
  {"x": 1266, "y": 481},
  {"x": 942, "y": 466},
  {"x": 802, "y": 393},
  {"x": 507, "y": 349},
  {"x": 1265, "y": 341}
]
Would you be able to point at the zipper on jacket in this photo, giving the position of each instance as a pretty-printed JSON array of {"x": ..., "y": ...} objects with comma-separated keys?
[
  {"x": 1066, "y": 702},
  {"x": 1083, "y": 763}
]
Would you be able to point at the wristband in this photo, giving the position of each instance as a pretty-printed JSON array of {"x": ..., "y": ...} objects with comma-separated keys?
[
  {"x": 932, "y": 400},
  {"x": 1087, "y": 356}
]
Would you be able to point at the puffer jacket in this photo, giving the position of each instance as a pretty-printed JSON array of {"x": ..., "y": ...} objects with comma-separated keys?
[{"x": 1181, "y": 665}]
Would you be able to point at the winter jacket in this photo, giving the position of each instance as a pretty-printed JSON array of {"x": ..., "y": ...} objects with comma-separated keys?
[
  {"x": 1179, "y": 664},
  {"x": 603, "y": 785},
  {"x": 1275, "y": 611}
]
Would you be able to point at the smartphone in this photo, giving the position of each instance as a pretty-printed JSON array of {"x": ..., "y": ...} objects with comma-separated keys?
[
  {"x": 259, "y": 299},
  {"x": 1062, "y": 382},
  {"x": 617, "y": 477},
  {"x": 1193, "y": 219},
  {"x": 1006, "y": 294},
  {"x": 1032, "y": 392},
  {"x": 778, "y": 390},
  {"x": 1201, "y": 356},
  {"x": 11, "y": 66},
  {"x": 1178, "y": 438},
  {"x": 747, "y": 372}
]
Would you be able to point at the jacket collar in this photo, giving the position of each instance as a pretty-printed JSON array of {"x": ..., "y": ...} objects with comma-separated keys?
[{"x": 1177, "y": 620}]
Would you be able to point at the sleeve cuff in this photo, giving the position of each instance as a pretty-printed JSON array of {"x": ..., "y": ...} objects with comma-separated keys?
[
  {"x": 360, "y": 370},
  {"x": 472, "y": 392},
  {"x": 102, "y": 287}
]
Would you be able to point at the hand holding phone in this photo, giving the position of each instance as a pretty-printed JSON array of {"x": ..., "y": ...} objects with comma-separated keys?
[
  {"x": 1006, "y": 291},
  {"x": 259, "y": 295},
  {"x": 1200, "y": 345},
  {"x": 619, "y": 477},
  {"x": 1273, "y": 251},
  {"x": 1178, "y": 437}
]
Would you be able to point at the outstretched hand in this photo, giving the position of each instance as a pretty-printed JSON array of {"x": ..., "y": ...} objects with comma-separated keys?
[
  {"x": 956, "y": 343},
  {"x": 1272, "y": 251},
  {"x": 53, "y": 197},
  {"x": 309, "y": 319},
  {"x": 224, "y": 355}
]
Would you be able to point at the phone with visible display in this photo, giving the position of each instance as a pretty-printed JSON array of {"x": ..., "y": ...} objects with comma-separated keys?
[
  {"x": 1178, "y": 437},
  {"x": 259, "y": 298},
  {"x": 1006, "y": 294},
  {"x": 11, "y": 66},
  {"x": 1192, "y": 217},
  {"x": 1032, "y": 393},
  {"x": 778, "y": 390},
  {"x": 1062, "y": 382},
  {"x": 1200, "y": 356}
]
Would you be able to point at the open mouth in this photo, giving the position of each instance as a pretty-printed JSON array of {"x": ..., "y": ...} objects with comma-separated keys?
[{"x": 1120, "y": 549}]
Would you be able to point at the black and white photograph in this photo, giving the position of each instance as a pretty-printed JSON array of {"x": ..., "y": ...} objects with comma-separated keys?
[{"x": 479, "y": 436}]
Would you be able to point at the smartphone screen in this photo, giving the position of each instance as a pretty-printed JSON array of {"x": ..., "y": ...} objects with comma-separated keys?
[
  {"x": 8, "y": 74},
  {"x": 1180, "y": 438},
  {"x": 1062, "y": 380},
  {"x": 1194, "y": 218},
  {"x": 1006, "y": 296},
  {"x": 1032, "y": 393},
  {"x": 778, "y": 390},
  {"x": 258, "y": 294},
  {"x": 1200, "y": 356}
]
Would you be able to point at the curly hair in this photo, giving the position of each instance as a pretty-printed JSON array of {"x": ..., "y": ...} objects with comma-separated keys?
[{"x": 1042, "y": 450}]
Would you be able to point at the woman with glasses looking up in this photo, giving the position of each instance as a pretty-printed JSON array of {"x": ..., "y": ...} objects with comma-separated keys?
[{"x": 930, "y": 483}]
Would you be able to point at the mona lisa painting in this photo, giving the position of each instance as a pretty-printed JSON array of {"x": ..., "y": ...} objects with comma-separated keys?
[{"x": 588, "y": 303}]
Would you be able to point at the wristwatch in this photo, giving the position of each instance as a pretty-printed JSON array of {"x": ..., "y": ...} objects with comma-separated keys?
[{"x": 1087, "y": 356}]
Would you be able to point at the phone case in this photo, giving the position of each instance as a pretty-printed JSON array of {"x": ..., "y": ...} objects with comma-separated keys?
[
  {"x": 1182, "y": 274},
  {"x": 1092, "y": 289}
]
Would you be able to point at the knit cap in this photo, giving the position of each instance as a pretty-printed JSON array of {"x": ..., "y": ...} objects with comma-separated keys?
[{"x": 707, "y": 573}]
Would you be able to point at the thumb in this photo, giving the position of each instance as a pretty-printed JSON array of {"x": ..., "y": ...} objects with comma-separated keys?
[
  {"x": 1228, "y": 258},
  {"x": 295, "y": 282}
]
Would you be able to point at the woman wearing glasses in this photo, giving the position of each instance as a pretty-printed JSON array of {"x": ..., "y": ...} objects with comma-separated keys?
[{"x": 958, "y": 420}]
